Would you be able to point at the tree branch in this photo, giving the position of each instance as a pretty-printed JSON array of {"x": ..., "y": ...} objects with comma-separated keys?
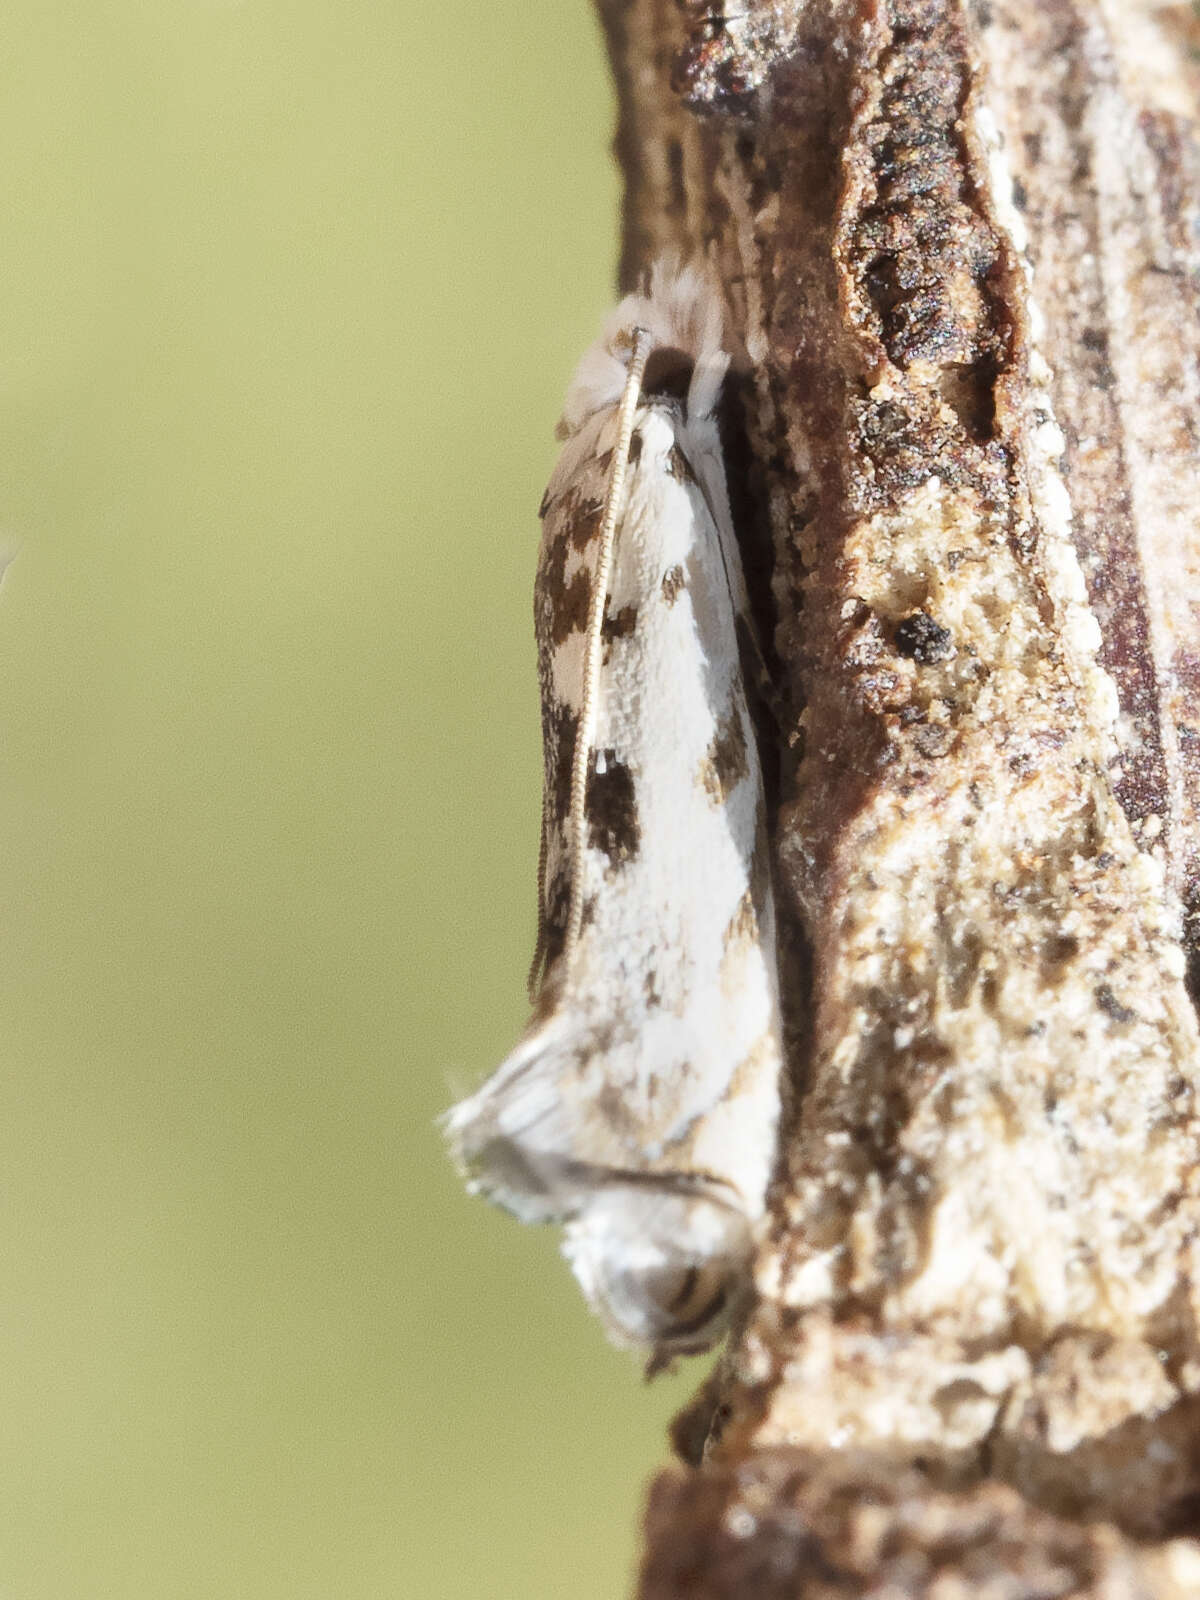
[{"x": 959, "y": 242}]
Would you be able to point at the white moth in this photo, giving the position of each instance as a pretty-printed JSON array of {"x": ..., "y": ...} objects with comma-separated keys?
[{"x": 640, "y": 1107}]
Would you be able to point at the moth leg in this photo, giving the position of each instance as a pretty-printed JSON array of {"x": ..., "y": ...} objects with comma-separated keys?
[{"x": 763, "y": 688}]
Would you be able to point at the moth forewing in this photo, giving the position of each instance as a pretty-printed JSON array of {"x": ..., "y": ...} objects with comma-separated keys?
[{"x": 640, "y": 1107}]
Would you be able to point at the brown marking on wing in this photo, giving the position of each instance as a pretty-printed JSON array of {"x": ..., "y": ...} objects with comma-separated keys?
[
  {"x": 617, "y": 625},
  {"x": 584, "y": 525},
  {"x": 673, "y": 584},
  {"x": 679, "y": 467},
  {"x": 571, "y": 613},
  {"x": 554, "y": 922},
  {"x": 559, "y": 727},
  {"x": 563, "y": 504},
  {"x": 561, "y": 602},
  {"x": 611, "y": 1105},
  {"x": 742, "y": 926},
  {"x": 613, "y": 825},
  {"x": 740, "y": 936},
  {"x": 725, "y": 762},
  {"x": 560, "y": 724},
  {"x": 764, "y": 1049}
]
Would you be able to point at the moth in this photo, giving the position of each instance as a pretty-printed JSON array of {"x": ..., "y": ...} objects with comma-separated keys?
[{"x": 640, "y": 1107}]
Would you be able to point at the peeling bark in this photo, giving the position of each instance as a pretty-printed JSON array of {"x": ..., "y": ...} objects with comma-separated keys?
[{"x": 961, "y": 246}]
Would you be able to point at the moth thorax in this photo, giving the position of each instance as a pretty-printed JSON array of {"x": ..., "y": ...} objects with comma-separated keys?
[{"x": 660, "y": 1268}]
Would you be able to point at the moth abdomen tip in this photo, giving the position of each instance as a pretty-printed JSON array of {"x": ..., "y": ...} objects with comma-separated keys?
[{"x": 662, "y": 1266}]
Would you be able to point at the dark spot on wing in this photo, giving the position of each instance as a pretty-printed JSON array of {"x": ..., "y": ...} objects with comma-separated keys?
[
  {"x": 602, "y": 1039},
  {"x": 679, "y": 467},
  {"x": 613, "y": 825},
  {"x": 584, "y": 525},
  {"x": 610, "y": 1104},
  {"x": 570, "y": 614},
  {"x": 559, "y": 727},
  {"x": 672, "y": 584},
  {"x": 565, "y": 504},
  {"x": 554, "y": 918},
  {"x": 560, "y": 603},
  {"x": 725, "y": 762},
  {"x": 618, "y": 625}
]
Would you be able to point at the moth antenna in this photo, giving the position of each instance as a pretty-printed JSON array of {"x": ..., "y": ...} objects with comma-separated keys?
[
  {"x": 537, "y": 967},
  {"x": 586, "y": 731}
]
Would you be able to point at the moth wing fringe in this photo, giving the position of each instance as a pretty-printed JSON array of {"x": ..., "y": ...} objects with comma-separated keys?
[{"x": 658, "y": 1254}]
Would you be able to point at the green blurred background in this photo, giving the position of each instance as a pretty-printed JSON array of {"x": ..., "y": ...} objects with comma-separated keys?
[{"x": 291, "y": 292}]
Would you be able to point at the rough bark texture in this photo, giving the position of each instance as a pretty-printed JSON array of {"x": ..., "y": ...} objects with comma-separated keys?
[{"x": 961, "y": 247}]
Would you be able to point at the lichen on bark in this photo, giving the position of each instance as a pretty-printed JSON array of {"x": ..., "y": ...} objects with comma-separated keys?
[{"x": 959, "y": 243}]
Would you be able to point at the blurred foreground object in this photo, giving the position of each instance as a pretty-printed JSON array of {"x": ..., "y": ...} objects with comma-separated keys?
[{"x": 960, "y": 248}]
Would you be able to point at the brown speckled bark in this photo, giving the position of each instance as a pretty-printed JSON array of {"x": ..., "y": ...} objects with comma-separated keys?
[{"x": 960, "y": 245}]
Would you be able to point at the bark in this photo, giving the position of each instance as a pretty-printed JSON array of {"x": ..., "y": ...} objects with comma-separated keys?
[{"x": 961, "y": 248}]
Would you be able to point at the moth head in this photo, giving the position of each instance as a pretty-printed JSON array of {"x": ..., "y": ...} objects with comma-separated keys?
[
  {"x": 661, "y": 1268},
  {"x": 680, "y": 307}
]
